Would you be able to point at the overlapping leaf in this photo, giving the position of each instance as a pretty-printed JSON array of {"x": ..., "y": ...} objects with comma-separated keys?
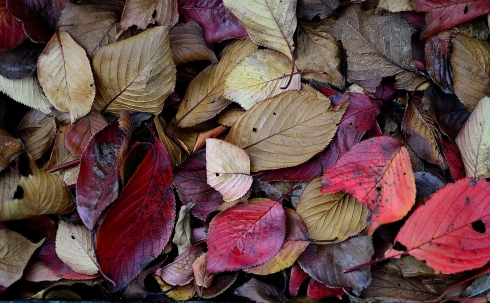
[
  {"x": 308, "y": 9},
  {"x": 21, "y": 61},
  {"x": 320, "y": 291},
  {"x": 144, "y": 12},
  {"x": 25, "y": 91},
  {"x": 61, "y": 156},
  {"x": 10, "y": 148},
  {"x": 180, "y": 272},
  {"x": 38, "y": 143},
  {"x": 188, "y": 45},
  {"x": 78, "y": 135},
  {"x": 11, "y": 32}
]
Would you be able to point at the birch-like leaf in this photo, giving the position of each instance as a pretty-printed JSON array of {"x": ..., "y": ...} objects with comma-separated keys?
[
  {"x": 228, "y": 169},
  {"x": 270, "y": 23},
  {"x": 26, "y": 91},
  {"x": 64, "y": 72},
  {"x": 144, "y": 12},
  {"x": 262, "y": 75},
  {"x": 286, "y": 130},
  {"x": 136, "y": 74}
]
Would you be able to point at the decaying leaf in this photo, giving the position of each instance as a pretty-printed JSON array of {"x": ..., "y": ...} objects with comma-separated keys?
[
  {"x": 396, "y": 5},
  {"x": 438, "y": 49},
  {"x": 180, "y": 271}
]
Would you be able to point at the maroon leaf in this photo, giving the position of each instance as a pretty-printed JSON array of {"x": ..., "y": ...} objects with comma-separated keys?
[
  {"x": 308, "y": 9},
  {"x": 11, "y": 32},
  {"x": 298, "y": 276},
  {"x": 21, "y": 61},
  {"x": 245, "y": 235},
  {"x": 97, "y": 183},
  {"x": 416, "y": 20},
  {"x": 139, "y": 223},
  {"x": 438, "y": 50},
  {"x": 217, "y": 22},
  {"x": 179, "y": 272},
  {"x": 39, "y": 17},
  {"x": 191, "y": 183},
  {"x": 78, "y": 135},
  {"x": 320, "y": 291},
  {"x": 454, "y": 160}
]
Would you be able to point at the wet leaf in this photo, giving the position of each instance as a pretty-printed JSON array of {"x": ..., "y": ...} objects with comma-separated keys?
[{"x": 188, "y": 45}]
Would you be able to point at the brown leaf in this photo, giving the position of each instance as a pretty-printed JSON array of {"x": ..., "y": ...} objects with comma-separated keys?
[
  {"x": 136, "y": 74},
  {"x": 59, "y": 156},
  {"x": 173, "y": 149},
  {"x": 41, "y": 139},
  {"x": 308, "y": 9},
  {"x": 260, "y": 292},
  {"x": 188, "y": 45},
  {"x": 8, "y": 184},
  {"x": 31, "y": 122},
  {"x": 396, "y": 5},
  {"x": 221, "y": 283},
  {"x": 78, "y": 135},
  {"x": 182, "y": 232},
  {"x": 10, "y": 148},
  {"x": 201, "y": 275},
  {"x": 180, "y": 272},
  {"x": 64, "y": 72},
  {"x": 144, "y": 12},
  {"x": 438, "y": 49},
  {"x": 371, "y": 55}
]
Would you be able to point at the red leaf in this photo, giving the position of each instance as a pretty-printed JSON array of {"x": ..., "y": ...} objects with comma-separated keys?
[
  {"x": 191, "y": 182},
  {"x": 297, "y": 277},
  {"x": 39, "y": 17},
  {"x": 245, "y": 235},
  {"x": 450, "y": 232},
  {"x": 139, "y": 223},
  {"x": 217, "y": 22},
  {"x": 320, "y": 291},
  {"x": 379, "y": 174},
  {"x": 180, "y": 272},
  {"x": 11, "y": 32},
  {"x": 97, "y": 183},
  {"x": 78, "y": 135},
  {"x": 445, "y": 14},
  {"x": 416, "y": 20},
  {"x": 454, "y": 160}
]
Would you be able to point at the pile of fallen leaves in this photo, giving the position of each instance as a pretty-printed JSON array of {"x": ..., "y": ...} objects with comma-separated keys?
[{"x": 269, "y": 149}]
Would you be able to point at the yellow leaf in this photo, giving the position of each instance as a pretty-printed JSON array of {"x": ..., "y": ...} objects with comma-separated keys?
[
  {"x": 136, "y": 74},
  {"x": 27, "y": 92},
  {"x": 259, "y": 76},
  {"x": 64, "y": 72},
  {"x": 173, "y": 150},
  {"x": 179, "y": 293}
]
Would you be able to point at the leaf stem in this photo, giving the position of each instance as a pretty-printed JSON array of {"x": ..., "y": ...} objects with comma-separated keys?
[
  {"x": 375, "y": 261},
  {"x": 64, "y": 166},
  {"x": 301, "y": 73}
]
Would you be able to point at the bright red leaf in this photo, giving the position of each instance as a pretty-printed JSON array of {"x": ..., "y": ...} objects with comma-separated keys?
[
  {"x": 11, "y": 32},
  {"x": 245, "y": 235},
  {"x": 378, "y": 173},
  {"x": 139, "y": 223},
  {"x": 445, "y": 14},
  {"x": 454, "y": 160},
  {"x": 78, "y": 135},
  {"x": 320, "y": 291},
  {"x": 97, "y": 183},
  {"x": 450, "y": 232}
]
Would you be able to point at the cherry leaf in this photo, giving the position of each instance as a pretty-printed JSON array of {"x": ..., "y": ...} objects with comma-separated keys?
[
  {"x": 26, "y": 91},
  {"x": 378, "y": 173},
  {"x": 308, "y": 9},
  {"x": 144, "y": 12},
  {"x": 320, "y": 291},
  {"x": 180, "y": 272},
  {"x": 450, "y": 231},
  {"x": 139, "y": 224},
  {"x": 79, "y": 134},
  {"x": 297, "y": 277},
  {"x": 228, "y": 169},
  {"x": 188, "y": 45},
  {"x": 10, "y": 148},
  {"x": 245, "y": 235},
  {"x": 11, "y": 31}
]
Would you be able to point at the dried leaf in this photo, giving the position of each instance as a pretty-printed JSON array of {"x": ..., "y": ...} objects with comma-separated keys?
[
  {"x": 20, "y": 62},
  {"x": 308, "y": 9},
  {"x": 182, "y": 234},
  {"x": 11, "y": 32},
  {"x": 438, "y": 49},
  {"x": 188, "y": 45},
  {"x": 180, "y": 272},
  {"x": 10, "y": 148},
  {"x": 79, "y": 134},
  {"x": 201, "y": 276},
  {"x": 260, "y": 292},
  {"x": 320, "y": 291},
  {"x": 396, "y": 5},
  {"x": 27, "y": 92},
  {"x": 173, "y": 149},
  {"x": 41, "y": 139},
  {"x": 38, "y": 272},
  {"x": 144, "y": 12},
  {"x": 59, "y": 156},
  {"x": 180, "y": 293},
  {"x": 221, "y": 283},
  {"x": 8, "y": 185},
  {"x": 297, "y": 277}
]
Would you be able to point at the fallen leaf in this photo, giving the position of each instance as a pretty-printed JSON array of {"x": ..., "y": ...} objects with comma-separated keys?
[
  {"x": 188, "y": 45},
  {"x": 20, "y": 62},
  {"x": 201, "y": 276},
  {"x": 179, "y": 293},
  {"x": 16, "y": 252},
  {"x": 143, "y": 81},
  {"x": 10, "y": 148},
  {"x": 268, "y": 128},
  {"x": 137, "y": 289},
  {"x": 27, "y": 92},
  {"x": 477, "y": 28},
  {"x": 297, "y": 277},
  {"x": 38, "y": 272},
  {"x": 144, "y": 12},
  {"x": 38, "y": 143},
  {"x": 180, "y": 272},
  {"x": 221, "y": 283},
  {"x": 438, "y": 49},
  {"x": 139, "y": 224},
  {"x": 260, "y": 292},
  {"x": 213, "y": 133},
  {"x": 182, "y": 235},
  {"x": 454, "y": 160},
  {"x": 8, "y": 185},
  {"x": 378, "y": 173},
  {"x": 442, "y": 15},
  {"x": 471, "y": 70},
  {"x": 427, "y": 183},
  {"x": 320, "y": 291},
  {"x": 61, "y": 156},
  {"x": 396, "y": 5},
  {"x": 245, "y": 235},
  {"x": 308, "y": 9},
  {"x": 11, "y": 32},
  {"x": 79, "y": 134}
]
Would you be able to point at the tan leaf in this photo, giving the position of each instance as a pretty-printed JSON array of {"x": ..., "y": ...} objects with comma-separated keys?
[
  {"x": 372, "y": 55},
  {"x": 64, "y": 72},
  {"x": 10, "y": 148},
  {"x": 172, "y": 148},
  {"x": 188, "y": 45},
  {"x": 27, "y": 92},
  {"x": 203, "y": 98},
  {"x": 230, "y": 115},
  {"x": 285, "y": 130},
  {"x": 15, "y": 251},
  {"x": 74, "y": 248},
  {"x": 477, "y": 28},
  {"x": 144, "y": 12},
  {"x": 395, "y": 6},
  {"x": 471, "y": 70},
  {"x": 41, "y": 139},
  {"x": 270, "y": 23},
  {"x": 44, "y": 193},
  {"x": 187, "y": 137},
  {"x": 91, "y": 25},
  {"x": 8, "y": 185},
  {"x": 319, "y": 51},
  {"x": 182, "y": 233},
  {"x": 228, "y": 169},
  {"x": 136, "y": 74},
  {"x": 332, "y": 216},
  {"x": 31, "y": 122},
  {"x": 201, "y": 275},
  {"x": 259, "y": 76},
  {"x": 37, "y": 271},
  {"x": 60, "y": 155}
]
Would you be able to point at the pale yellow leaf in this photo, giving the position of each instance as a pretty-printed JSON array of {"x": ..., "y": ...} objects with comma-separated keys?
[
  {"x": 263, "y": 74},
  {"x": 10, "y": 148},
  {"x": 144, "y": 12},
  {"x": 64, "y": 72},
  {"x": 188, "y": 45},
  {"x": 41, "y": 139},
  {"x": 74, "y": 248},
  {"x": 26, "y": 91},
  {"x": 395, "y": 6},
  {"x": 228, "y": 169},
  {"x": 470, "y": 61},
  {"x": 334, "y": 216},
  {"x": 60, "y": 155},
  {"x": 44, "y": 194},
  {"x": 285, "y": 130},
  {"x": 474, "y": 141},
  {"x": 203, "y": 98},
  {"x": 136, "y": 74},
  {"x": 270, "y": 23},
  {"x": 15, "y": 251}
]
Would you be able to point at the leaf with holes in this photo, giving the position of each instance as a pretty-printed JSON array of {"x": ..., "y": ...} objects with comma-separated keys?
[{"x": 245, "y": 235}]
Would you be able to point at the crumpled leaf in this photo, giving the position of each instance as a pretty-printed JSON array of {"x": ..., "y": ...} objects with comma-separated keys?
[
  {"x": 144, "y": 12},
  {"x": 79, "y": 134},
  {"x": 14, "y": 255},
  {"x": 470, "y": 61},
  {"x": 228, "y": 169},
  {"x": 474, "y": 141},
  {"x": 64, "y": 72},
  {"x": 11, "y": 32},
  {"x": 74, "y": 248},
  {"x": 180, "y": 272},
  {"x": 44, "y": 193},
  {"x": 10, "y": 148},
  {"x": 438, "y": 49},
  {"x": 332, "y": 217},
  {"x": 136, "y": 74},
  {"x": 27, "y": 92},
  {"x": 273, "y": 132},
  {"x": 270, "y": 23},
  {"x": 371, "y": 56},
  {"x": 188, "y": 45},
  {"x": 308, "y": 9},
  {"x": 245, "y": 235}
]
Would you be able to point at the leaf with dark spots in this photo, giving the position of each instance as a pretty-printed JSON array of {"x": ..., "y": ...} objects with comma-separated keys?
[
  {"x": 11, "y": 32},
  {"x": 190, "y": 180},
  {"x": 21, "y": 61},
  {"x": 139, "y": 224},
  {"x": 97, "y": 183}
]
